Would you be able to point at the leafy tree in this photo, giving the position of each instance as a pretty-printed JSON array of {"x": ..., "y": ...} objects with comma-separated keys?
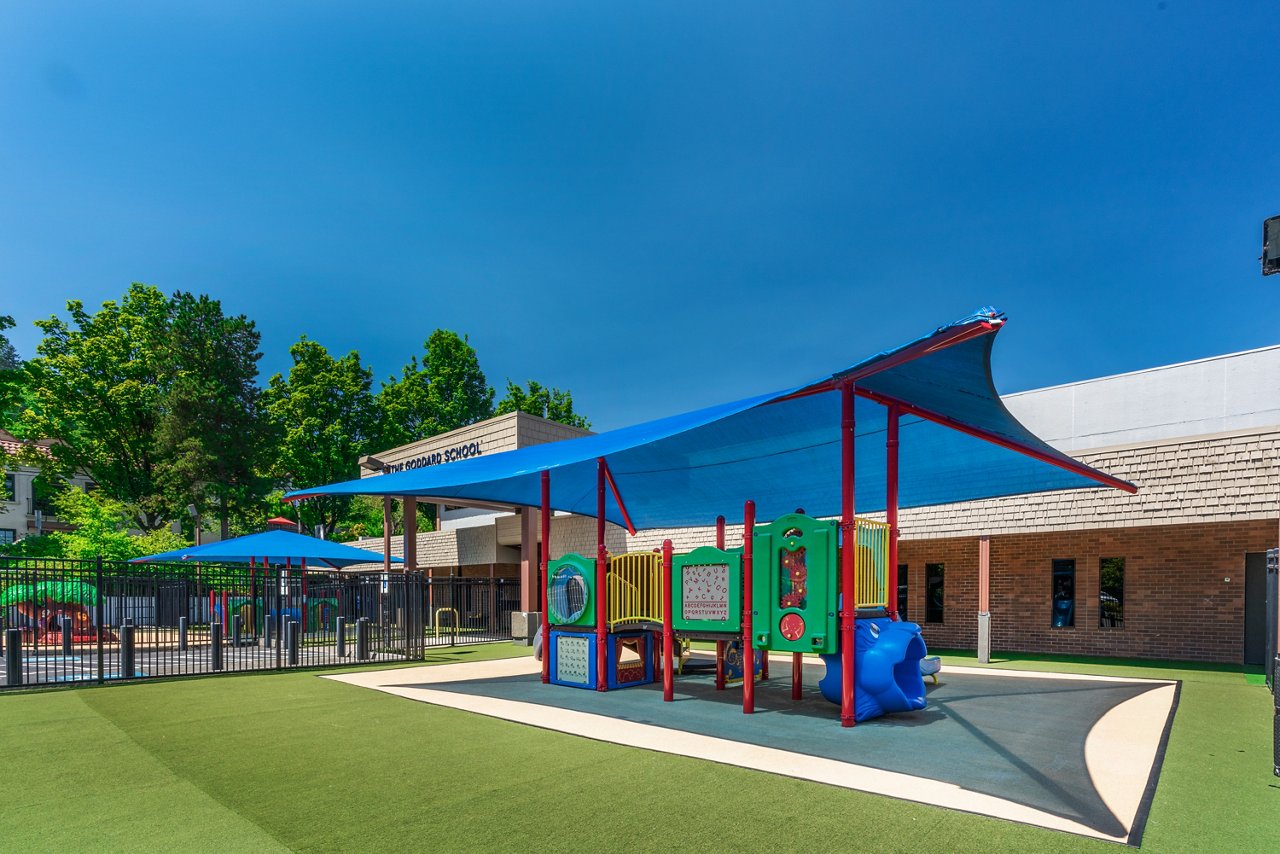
[
  {"x": 537, "y": 399},
  {"x": 325, "y": 418},
  {"x": 96, "y": 388},
  {"x": 100, "y": 526},
  {"x": 11, "y": 380},
  {"x": 9, "y": 360},
  {"x": 447, "y": 391},
  {"x": 212, "y": 437},
  {"x": 365, "y": 518}
]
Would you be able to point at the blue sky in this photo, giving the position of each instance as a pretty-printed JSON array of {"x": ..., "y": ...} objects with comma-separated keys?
[{"x": 659, "y": 206}]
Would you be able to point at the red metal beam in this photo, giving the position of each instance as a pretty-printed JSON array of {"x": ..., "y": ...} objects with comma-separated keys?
[
  {"x": 602, "y": 584},
  {"x": 617, "y": 497},
  {"x": 720, "y": 532},
  {"x": 748, "y": 649},
  {"x": 891, "y": 513},
  {"x": 668, "y": 632},
  {"x": 545, "y": 519},
  {"x": 987, "y": 436},
  {"x": 848, "y": 550}
]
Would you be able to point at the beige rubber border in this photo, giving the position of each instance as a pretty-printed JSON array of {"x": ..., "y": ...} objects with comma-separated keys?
[{"x": 1119, "y": 750}]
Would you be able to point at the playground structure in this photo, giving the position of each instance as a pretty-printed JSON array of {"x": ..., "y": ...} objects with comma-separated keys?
[
  {"x": 801, "y": 583},
  {"x": 47, "y": 605},
  {"x": 652, "y": 602}
]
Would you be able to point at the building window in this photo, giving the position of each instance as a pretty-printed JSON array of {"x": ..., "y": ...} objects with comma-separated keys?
[
  {"x": 934, "y": 593},
  {"x": 10, "y": 488},
  {"x": 1111, "y": 593},
  {"x": 902, "y": 591},
  {"x": 1064, "y": 593},
  {"x": 7, "y": 536}
]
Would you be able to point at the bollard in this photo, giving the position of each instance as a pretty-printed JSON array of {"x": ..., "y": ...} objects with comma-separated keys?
[
  {"x": 342, "y": 637},
  {"x": 126, "y": 650},
  {"x": 66, "y": 635},
  {"x": 13, "y": 657},
  {"x": 293, "y": 631},
  {"x": 266, "y": 631},
  {"x": 215, "y": 644},
  {"x": 235, "y": 631},
  {"x": 362, "y": 639},
  {"x": 182, "y": 634}
]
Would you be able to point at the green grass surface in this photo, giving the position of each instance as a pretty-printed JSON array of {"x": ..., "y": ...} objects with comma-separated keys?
[{"x": 292, "y": 761}]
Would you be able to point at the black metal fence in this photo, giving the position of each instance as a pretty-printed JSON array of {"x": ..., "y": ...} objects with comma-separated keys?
[{"x": 64, "y": 621}]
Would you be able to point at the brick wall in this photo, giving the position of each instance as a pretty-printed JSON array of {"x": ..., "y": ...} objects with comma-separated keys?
[{"x": 1177, "y": 604}]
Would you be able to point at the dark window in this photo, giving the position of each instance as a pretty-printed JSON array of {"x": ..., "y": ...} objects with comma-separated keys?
[
  {"x": 902, "y": 591},
  {"x": 1111, "y": 593},
  {"x": 7, "y": 536},
  {"x": 934, "y": 594},
  {"x": 10, "y": 488},
  {"x": 1064, "y": 594}
]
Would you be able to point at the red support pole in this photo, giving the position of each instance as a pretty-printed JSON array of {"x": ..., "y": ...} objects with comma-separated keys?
[
  {"x": 720, "y": 532},
  {"x": 848, "y": 550},
  {"x": 545, "y": 519},
  {"x": 891, "y": 513},
  {"x": 797, "y": 674},
  {"x": 668, "y": 631},
  {"x": 602, "y": 584},
  {"x": 226, "y": 615},
  {"x": 720, "y": 665},
  {"x": 748, "y": 650}
]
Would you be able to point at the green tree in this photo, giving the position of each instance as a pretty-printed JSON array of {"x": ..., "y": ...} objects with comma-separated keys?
[
  {"x": 9, "y": 360},
  {"x": 537, "y": 399},
  {"x": 96, "y": 388},
  {"x": 324, "y": 418},
  {"x": 10, "y": 385},
  {"x": 447, "y": 391},
  {"x": 99, "y": 526},
  {"x": 213, "y": 436}
]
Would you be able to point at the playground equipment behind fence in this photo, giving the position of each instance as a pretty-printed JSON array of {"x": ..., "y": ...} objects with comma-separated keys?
[{"x": 67, "y": 622}]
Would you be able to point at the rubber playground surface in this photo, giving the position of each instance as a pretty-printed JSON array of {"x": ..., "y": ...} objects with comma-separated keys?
[{"x": 1068, "y": 752}]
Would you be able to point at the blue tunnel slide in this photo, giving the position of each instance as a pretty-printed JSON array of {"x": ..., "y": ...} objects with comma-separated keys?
[{"x": 886, "y": 669}]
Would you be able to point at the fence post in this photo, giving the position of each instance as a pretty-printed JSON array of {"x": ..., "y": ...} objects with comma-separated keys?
[
  {"x": 362, "y": 639},
  {"x": 215, "y": 644},
  {"x": 292, "y": 631},
  {"x": 182, "y": 634},
  {"x": 66, "y": 635},
  {"x": 13, "y": 657},
  {"x": 126, "y": 650},
  {"x": 98, "y": 615},
  {"x": 235, "y": 631},
  {"x": 342, "y": 637}
]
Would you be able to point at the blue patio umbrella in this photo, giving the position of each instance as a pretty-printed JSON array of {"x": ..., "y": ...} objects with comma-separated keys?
[{"x": 272, "y": 547}]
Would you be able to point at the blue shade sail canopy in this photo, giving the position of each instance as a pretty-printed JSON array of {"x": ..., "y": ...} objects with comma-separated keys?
[
  {"x": 272, "y": 547},
  {"x": 958, "y": 442}
]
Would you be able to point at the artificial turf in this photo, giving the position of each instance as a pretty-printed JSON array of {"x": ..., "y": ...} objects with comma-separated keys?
[{"x": 292, "y": 761}]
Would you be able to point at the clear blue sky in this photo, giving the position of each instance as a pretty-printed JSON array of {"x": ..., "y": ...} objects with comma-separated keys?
[{"x": 659, "y": 206}]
